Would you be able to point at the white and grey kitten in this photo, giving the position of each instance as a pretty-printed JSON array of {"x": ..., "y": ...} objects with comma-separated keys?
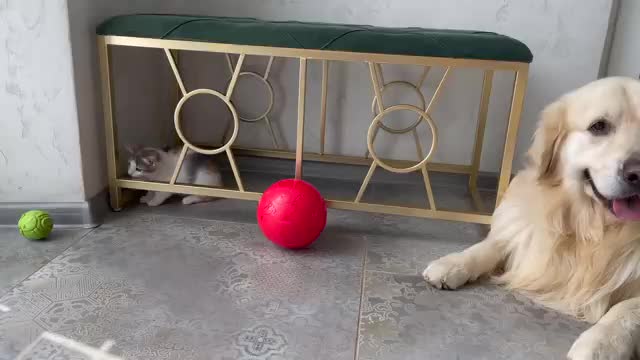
[{"x": 153, "y": 164}]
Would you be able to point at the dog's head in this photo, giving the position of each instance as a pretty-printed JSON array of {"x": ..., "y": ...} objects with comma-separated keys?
[{"x": 588, "y": 142}]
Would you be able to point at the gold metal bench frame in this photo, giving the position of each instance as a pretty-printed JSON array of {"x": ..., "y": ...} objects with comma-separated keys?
[{"x": 374, "y": 61}]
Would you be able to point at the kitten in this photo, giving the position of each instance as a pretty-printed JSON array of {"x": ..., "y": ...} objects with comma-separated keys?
[{"x": 152, "y": 164}]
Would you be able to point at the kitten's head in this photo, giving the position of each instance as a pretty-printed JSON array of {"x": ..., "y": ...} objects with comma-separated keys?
[{"x": 143, "y": 161}]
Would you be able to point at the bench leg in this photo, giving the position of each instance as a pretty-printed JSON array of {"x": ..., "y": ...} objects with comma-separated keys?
[
  {"x": 115, "y": 192},
  {"x": 483, "y": 110},
  {"x": 323, "y": 104},
  {"x": 517, "y": 102},
  {"x": 302, "y": 92}
]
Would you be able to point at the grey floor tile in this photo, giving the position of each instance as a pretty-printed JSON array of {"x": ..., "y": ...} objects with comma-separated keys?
[
  {"x": 20, "y": 257},
  {"x": 405, "y": 255},
  {"x": 404, "y": 319},
  {"x": 44, "y": 349},
  {"x": 174, "y": 288}
]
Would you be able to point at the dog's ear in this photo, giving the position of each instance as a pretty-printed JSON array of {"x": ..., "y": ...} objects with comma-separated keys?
[{"x": 547, "y": 142}]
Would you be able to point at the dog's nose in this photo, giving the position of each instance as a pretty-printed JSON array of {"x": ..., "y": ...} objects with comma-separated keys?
[{"x": 631, "y": 171}]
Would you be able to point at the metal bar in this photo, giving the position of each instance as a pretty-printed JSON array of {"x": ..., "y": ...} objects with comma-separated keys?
[
  {"x": 406, "y": 211},
  {"x": 365, "y": 182},
  {"x": 302, "y": 90},
  {"x": 373, "y": 139},
  {"x": 436, "y": 94},
  {"x": 375, "y": 71},
  {"x": 228, "y": 129},
  {"x": 416, "y": 139},
  {"x": 178, "y": 93},
  {"x": 323, "y": 104},
  {"x": 271, "y": 132},
  {"x": 376, "y": 78},
  {"x": 423, "y": 76},
  {"x": 427, "y": 185},
  {"x": 115, "y": 193},
  {"x": 483, "y": 110},
  {"x": 425, "y": 173},
  {"x": 175, "y": 54},
  {"x": 350, "y": 160},
  {"x": 174, "y": 68},
  {"x": 229, "y": 62},
  {"x": 234, "y": 168},
  {"x": 314, "y": 54},
  {"x": 234, "y": 78},
  {"x": 267, "y": 71},
  {"x": 335, "y": 204},
  {"x": 477, "y": 200},
  {"x": 380, "y": 75},
  {"x": 176, "y": 171},
  {"x": 519, "y": 91},
  {"x": 189, "y": 189}
]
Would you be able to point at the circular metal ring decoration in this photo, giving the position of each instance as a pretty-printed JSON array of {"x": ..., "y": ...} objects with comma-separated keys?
[
  {"x": 377, "y": 121},
  {"x": 176, "y": 118},
  {"x": 405, "y": 84},
  {"x": 269, "y": 88}
]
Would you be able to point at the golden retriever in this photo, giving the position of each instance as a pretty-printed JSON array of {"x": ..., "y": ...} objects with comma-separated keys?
[{"x": 567, "y": 232}]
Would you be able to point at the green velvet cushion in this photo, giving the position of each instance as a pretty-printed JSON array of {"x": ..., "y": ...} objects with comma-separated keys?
[{"x": 354, "y": 38}]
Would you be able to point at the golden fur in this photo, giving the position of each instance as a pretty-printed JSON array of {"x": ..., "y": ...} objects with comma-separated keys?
[{"x": 553, "y": 239}]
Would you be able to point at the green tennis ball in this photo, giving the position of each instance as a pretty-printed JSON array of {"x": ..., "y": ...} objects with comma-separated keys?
[{"x": 35, "y": 225}]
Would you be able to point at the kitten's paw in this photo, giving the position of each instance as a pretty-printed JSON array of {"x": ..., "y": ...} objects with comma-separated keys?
[
  {"x": 448, "y": 272},
  {"x": 195, "y": 199},
  {"x": 155, "y": 202},
  {"x": 598, "y": 343}
]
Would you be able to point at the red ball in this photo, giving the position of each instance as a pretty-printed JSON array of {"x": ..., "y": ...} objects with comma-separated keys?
[{"x": 292, "y": 213}]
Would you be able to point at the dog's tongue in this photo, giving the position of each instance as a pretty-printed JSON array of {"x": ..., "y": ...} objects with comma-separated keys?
[{"x": 627, "y": 209}]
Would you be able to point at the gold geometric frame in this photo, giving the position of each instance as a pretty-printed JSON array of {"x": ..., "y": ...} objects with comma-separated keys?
[
  {"x": 264, "y": 80},
  {"x": 118, "y": 182}
]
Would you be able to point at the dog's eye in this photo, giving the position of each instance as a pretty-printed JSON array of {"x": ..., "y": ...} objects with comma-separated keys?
[{"x": 600, "y": 127}]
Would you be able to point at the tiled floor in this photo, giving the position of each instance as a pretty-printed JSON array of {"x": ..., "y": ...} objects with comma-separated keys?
[
  {"x": 176, "y": 282},
  {"x": 20, "y": 258}
]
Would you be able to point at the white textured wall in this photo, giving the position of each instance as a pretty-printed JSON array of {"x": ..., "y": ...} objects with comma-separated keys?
[
  {"x": 625, "y": 51},
  {"x": 139, "y": 109},
  {"x": 43, "y": 127},
  {"x": 566, "y": 37},
  {"x": 39, "y": 148}
]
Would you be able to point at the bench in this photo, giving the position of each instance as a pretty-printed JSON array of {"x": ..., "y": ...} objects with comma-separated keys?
[{"x": 374, "y": 46}]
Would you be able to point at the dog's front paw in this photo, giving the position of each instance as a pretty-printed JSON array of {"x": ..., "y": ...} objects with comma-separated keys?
[
  {"x": 598, "y": 343},
  {"x": 448, "y": 272}
]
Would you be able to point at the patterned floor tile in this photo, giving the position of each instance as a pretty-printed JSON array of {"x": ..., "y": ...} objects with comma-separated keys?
[
  {"x": 406, "y": 245},
  {"x": 167, "y": 283},
  {"x": 175, "y": 288},
  {"x": 43, "y": 349},
  {"x": 408, "y": 256},
  {"x": 402, "y": 318},
  {"x": 21, "y": 257}
]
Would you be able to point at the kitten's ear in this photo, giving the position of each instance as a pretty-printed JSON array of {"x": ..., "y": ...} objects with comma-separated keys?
[
  {"x": 132, "y": 149},
  {"x": 148, "y": 161},
  {"x": 151, "y": 156}
]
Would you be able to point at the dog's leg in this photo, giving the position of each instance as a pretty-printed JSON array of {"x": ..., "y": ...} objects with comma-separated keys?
[
  {"x": 613, "y": 337},
  {"x": 454, "y": 270}
]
